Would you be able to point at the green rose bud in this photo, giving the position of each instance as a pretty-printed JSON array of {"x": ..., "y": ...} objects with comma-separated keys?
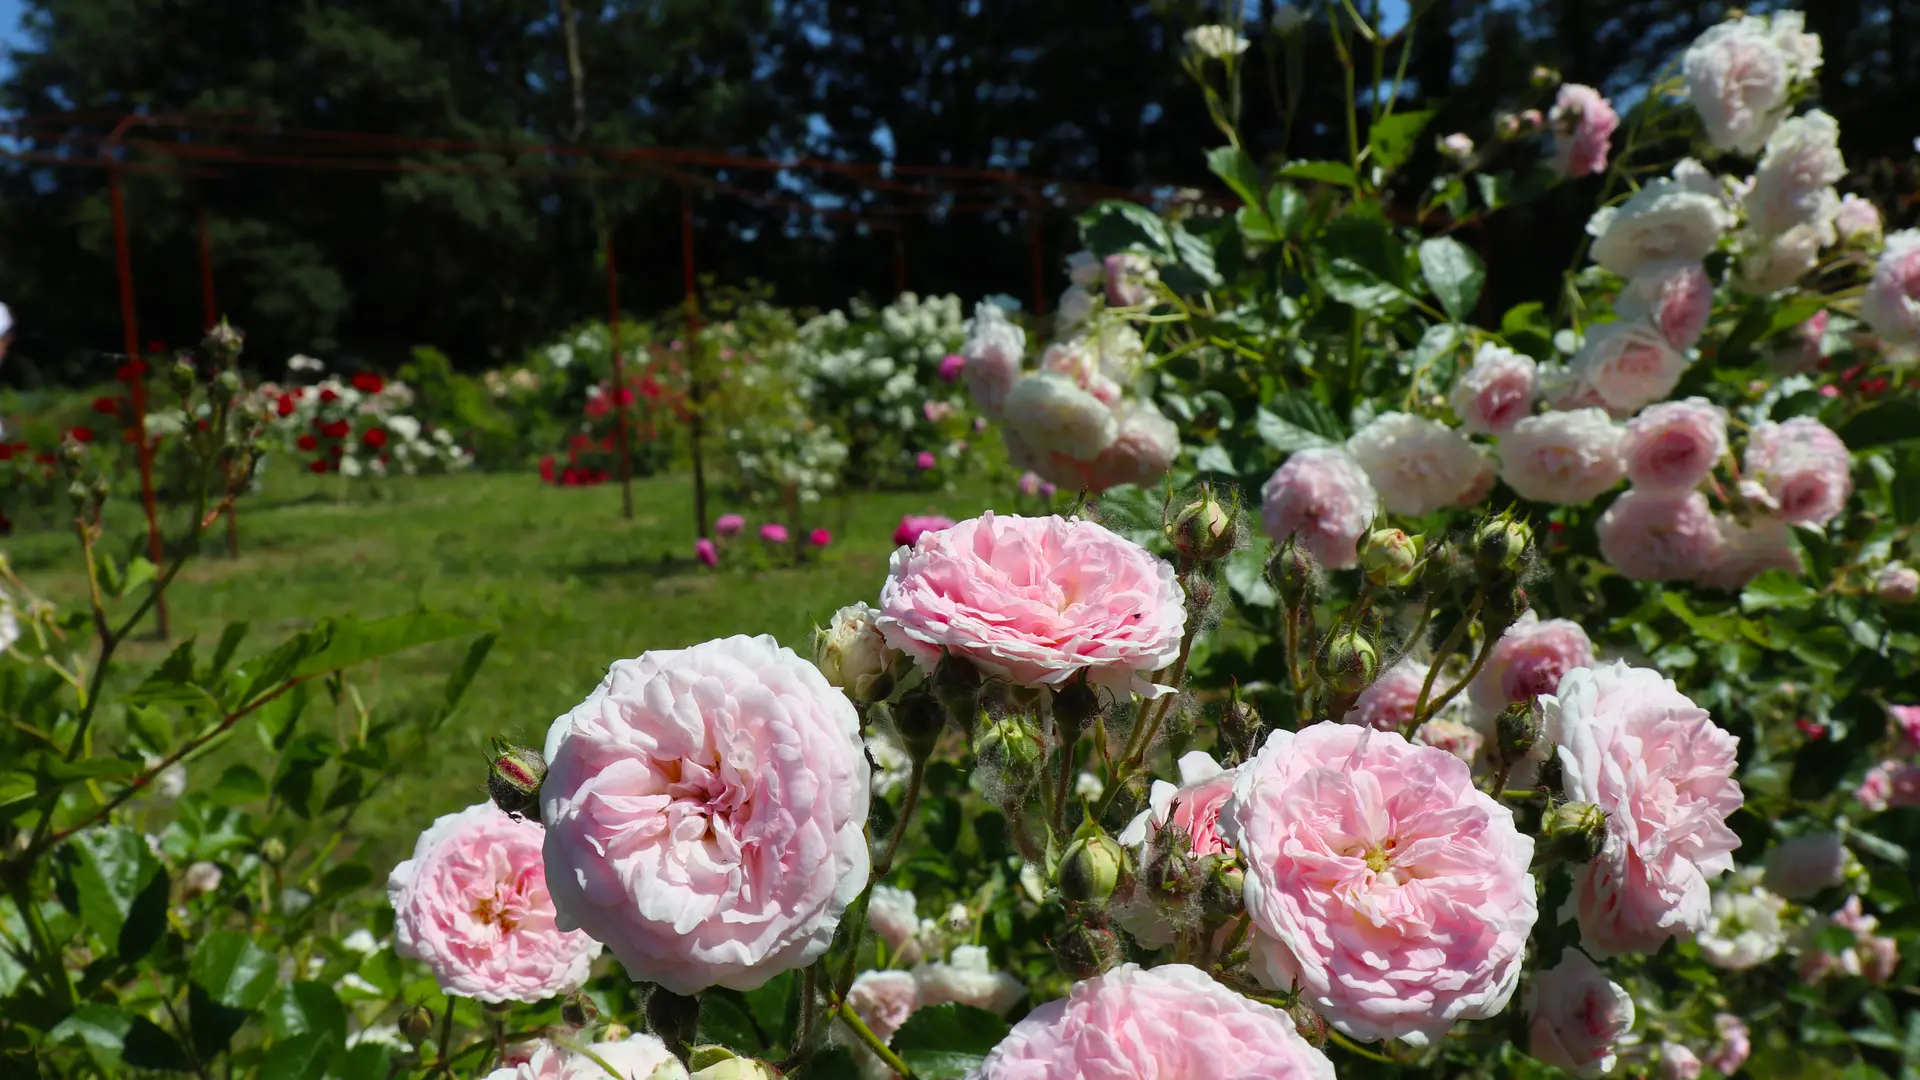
[
  {"x": 956, "y": 682},
  {"x": 416, "y": 1024},
  {"x": 1223, "y": 887},
  {"x": 1346, "y": 662},
  {"x": 1294, "y": 575},
  {"x": 1090, "y": 869},
  {"x": 1010, "y": 747},
  {"x": 1086, "y": 949},
  {"x": 1203, "y": 531},
  {"x": 1517, "y": 729},
  {"x": 1575, "y": 831},
  {"x": 514, "y": 776},
  {"x": 920, "y": 719},
  {"x": 738, "y": 1068},
  {"x": 578, "y": 1010},
  {"x": 1501, "y": 545},
  {"x": 1390, "y": 558}
]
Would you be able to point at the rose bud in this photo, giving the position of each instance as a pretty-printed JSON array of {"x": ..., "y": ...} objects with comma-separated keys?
[
  {"x": 1517, "y": 729},
  {"x": 416, "y": 1024},
  {"x": 1203, "y": 530},
  {"x": 1084, "y": 950},
  {"x": 1501, "y": 545},
  {"x": 1347, "y": 662},
  {"x": 514, "y": 777},
  {"x": 1090, "y": 869},
  {"x": 1294, "y": 575},
  {"x": 1575, "y": 831},
  {"x": 1390, "y": 558}
]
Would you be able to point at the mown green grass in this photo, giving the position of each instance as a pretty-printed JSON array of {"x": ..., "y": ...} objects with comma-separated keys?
[{"x": 565, "y": 580}]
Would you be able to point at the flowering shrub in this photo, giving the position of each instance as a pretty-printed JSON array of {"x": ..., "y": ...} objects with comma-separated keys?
[{"x": 353, "y": 427}]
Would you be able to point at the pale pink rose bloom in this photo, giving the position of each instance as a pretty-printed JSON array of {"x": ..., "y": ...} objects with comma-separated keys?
[
  {"x": 1906, "y": 721},
  {"x": 1897, "y": 583},
  {"x": 1324, "y": 499},
  {"x": 1452, "y": 736},
  {"x": 1583, "y": 122},
  {"x": 706, "y": 812},
  {"x": 1804, "y": 466},
  {"x": 1578, "y": 1016},
  {"x": 1496, "y": 392},
  {"x": 1802, "y": 866},
  {"x": 1891, "y": 304},
  {"x": 1858, "y": 221},
  {"x": 1387, "y": 703},
  {"x": 1482, "y": 485},
  {"x": 1047, "y": 414},
  {"x": 1775, "y": 261},
  {"x": 1126, "y": 276},
  {"x": 1792, "y": 186},
  {"x": 1871, "y": 956},
  {"x": 1380, "y": 881},
  {"x": 1566, "y": 458},
  {"x": 1140, "y": 453},
  {"x": 993, "y": 355},
  {"x": 884, "y": 1000},
  {"x": 1738, "y": 78},
  {"x": 1676, "y": 297},
  {"x": 1036, "y": 601},
  {"x": 1138, "y": 1024},
  {"x": 1078, "y": 360},
  {"x": 1192, "y": 806},
  {"x": 473, "y": 905},
  {"x": 1876, "y": 788},
  {"x": 893, "y": 914},
  {"x": 1732, "y": 1046},
  {"x": 1530, "y": 659},
  {"x": 1662, "y": 771},
  {"x": 1666, "y": 221},
  {"x": 1672, "y": 446},
  {"x": 1677, "y": 1062},
  {"x": 1630, "y": 364},
  {"x": 966, "y": 976},
  {"x": 1417, "y": 464},
  {"x": 637, "y": 1057},
  {"x": 935, "y": 411},
  {"x": 1742, "y": 552},
  {"x": 1651, "y": 537},
  {"x": 1804, "y": 348}
]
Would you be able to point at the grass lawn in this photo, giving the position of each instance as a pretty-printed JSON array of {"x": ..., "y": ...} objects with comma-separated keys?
[{"x": 568, "y": 583}]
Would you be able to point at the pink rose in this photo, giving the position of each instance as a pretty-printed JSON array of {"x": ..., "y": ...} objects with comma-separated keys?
[
  {"x": 1192, "y": 807},
  {"x": 705, "y": 813},
  {"x": 1662, "y": 771},
  {"x": 911, "y": 527},
  {"x": 1629, "y": 364},
  {"x": 966, "y": 976},
  {"x": 637, "y": 1057},
  {"x": 1738, "y": 79},
  {"x": 1137, "y": 1024},
  {"x": 1677, "y": 1062},
  {"x": 1080, "y": 361},
  {"x": 1906, "y": 721},
  {"x": 935, "y": 411},
  {"x": 1419, "y": 465},
  {"x": 1530, "y": 659},
  {"x": 1805, "y": 347},
  {"x": 1496, "y": 392},
  {"x": 1127, "y": 276},
  {"x": 1144, "y": 445},
  {"x": 1046, "y": 414},
  {"x": 1579, "y": 1016},
  {"x": 704, "y": 551},
  {"x": 729, "y": 524},
  {"x": 1583, "y": 122},
  {"x": 1891, "y": 304},
  {"x": 1387, "y": 703},
  {"x": 1029, "y": 484},
  {"x": 1566, "y": 458},
  {"x": 993, "y": 355},
  {"x": 925, "y": 460},
  {"x": 1324, "y": 498},
  {"x": 1452, "y": 736},
  {"x": 1743, "y": 552},
  {"x": 1732, "y": 1044},
  {"x": 773, "y": 533},
  {"x": 1799, "y": 868},
  {"x": 1876, "y": 787},
  {"x": 1804, "y": 466},
  {"x": 1672, "y": 446},
  {"x": 884, "y": 1000},
  {"x": 894, "y": 915},
  {"x": 1872, "y": 956},
  {"x": 951, "y": 365},
  {"x": 820, "y": 538},
  {"x": 1658, "y": 537},
  {"x": 1897, "y": 583},
  {"x": 473, "y": 904},
  {"x": 1858, "y": 221},
  {"x": 1035, "y": 601},
  {"x": 1380, "y": 882},
  {"x": 1676, "y": 297}
]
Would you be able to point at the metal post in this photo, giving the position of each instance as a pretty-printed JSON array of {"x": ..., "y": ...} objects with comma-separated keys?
[
  {"x": 695, "y": 359},
  {"x": 129, "y": 321},
  {"x": 619, "y": 381}
]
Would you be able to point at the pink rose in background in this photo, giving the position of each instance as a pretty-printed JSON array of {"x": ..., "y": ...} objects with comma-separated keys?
[
  {"x": 1192, "y": 807},
  {"x": 1138, "y": 1024},
  {"x": 1452, "y": 736},
  {"x": 925, "y": 460},
  {"x": 1630, "y": 364},
  {"x": 894, "y": 914},
  {"x": 1876, "y": 787},
  {"x": 1658, "y": 537},
  {"x": 884, "y": 1000},
  {"x": 1732, "y": 1044},
  {"x": 911, "y": 527},
  {"x": 1738, "y": 79},
  {"x": 819, "y": 538},
  {"x": 1578, "y": 1016},
  {"x": 705, "y": 813},
  {"x": 1417, "y": 464},
  {"x": 1803, "y": 349},
  {"x": 1324, "y": 498},
  {"x": 1368, "y": 854},
  {"x": 729, "y": 524},
  {"x": 1672, "y": 446},
  {"x": 1858, "y": 221},
  {"x": 994, "y": 348},
  {"x": 1662, "y": 771},
  {"x": 1140, "y": 454},
  {"x": 1127, "y": 275},
  {"x": 1871, "y": 956},
  {"x": 1387, "y": 703},
  {"x": 1906, "y": 721},
  {"x": 1079, "y": 361},
  {"x": 704, "y": 551},
  {"x": 1029, "y": 484},
  {"x": 1744, "y": 552},
  {"x": 967, "y": 976},
  {"x": 1046, "y": 414},
  {"x": 773, "y": 533},
  {"x": 935, "y": 411},
  {"x": 951, "y": 365},
  {"x": 1676, "y": 297},
  {"x": 1800, "y": 867},
  {"x": 1677, "y": 1062},
  {"x": 1496, "y": 392},
  {"x": 1804, "y": 466},
  {"x": 1530, "y": 659},
  {"x": 1035, "y": 601},
  {"x": 472, "y": 904},
  {"x": 1583, "y": 122},
  {"x": 1891, "y": 304},
  {"x": 637, "y": 1057},
  {"x": 1567, "y": 458},
  {"x": 1897, "y": 583}
]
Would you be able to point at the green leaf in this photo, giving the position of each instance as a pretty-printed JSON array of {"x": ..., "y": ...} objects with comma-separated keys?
[
  {"x": 1827, "y": 648},
  {"x": 1287, "y": 209},
  {"x": 306, "y": 1008},
  {"x": 263, "y": 673},
  {"x": 173, "y": 683},
  {"x": 1392, "y": 140},
  {"x": 1214, "y": 458},
  {"x": 1297, "y": 421},
  {"x": 1232, "y": 164},
  {"x": 1325, "y": 172},
  {"x": 1882, "y": 425},
  {"x": 1255, "y": 225},
  {"x": 230, "y": 639},
  {"x": 139, "y": 572},
  {"x": 1246, "y": 572},
  {"x": 239, "y": 785},
  {"x": 232, "y": 969},
  {"x": 771, "y": 1008},
  {"x": 121, "y": 887},
  {"x": 276, "y": 718},
  {"x": 1455, "y": 274},
  {"x": 1359, "y": 286},
  {"x": 1777, "y": 589},
  {"x": 355, "y": 642},
  {"x": 1115, "y": 226},
  {"x": 943, "y": 1042},
  {"x": 98, "y": 1027},
  {"x": 304, "y": 1057},
  {"x": 148, "y": 1047}
]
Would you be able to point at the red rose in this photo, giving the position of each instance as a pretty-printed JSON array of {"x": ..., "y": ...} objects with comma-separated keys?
[
  {"x": 650, "y": 389},
  {"x": 368, "y": 383},
  {"x": 328, "y": 397},
  {"x": 131, "y": 370},
  {"x": 546, "y": 469},
  {"x": 375, "y": 438},
  {"x": 317, "y": 466},
  {"x": 107, "y": 406},
  {"x": 339, "y": 429},
  {"x": 306, "y": 442},
  {"x": 80, "y": 434},
  {"x": 285, "y": 405}
]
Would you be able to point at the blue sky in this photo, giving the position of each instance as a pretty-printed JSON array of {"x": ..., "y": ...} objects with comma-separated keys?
[{"x": 10, "y": 33}]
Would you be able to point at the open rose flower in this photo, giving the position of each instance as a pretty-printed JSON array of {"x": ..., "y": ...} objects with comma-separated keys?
[
  {"x": 1583, "y": 123},
  {"x": 993, "y": 353},
  {"x": 1629, "y": 364},
  {"x": 1891, "y": 304},
  {"x": 1800, "y": 867},
  {"x": 894, "y": 915},
  {"x": 1775, "y": 261},
  {"x": 1578, "y": 1016},
  {"x": 1793, "y": 184},
  {"x": 1677, "y": 298},
  {"x": 1652, "y": 537},
  {"x": 1497, "y": 392},
  {"x": 1804, "y": 466},
  {"x": 1857, "y": 222},
  {"x": 1530, "y": 659},
  {"x": 884, "y": 1000},
  {"x": 1418, "y": 465},
  {"x": 966, "y": 976},
  {"x": 1193, "y": 807},
  {"x": 1035, "y": 601},
  {"x": 706, "y": 812},
  {"x": 1144, "y": 445},
  {"x": 1564, "y": 457},
  {"x": 1388, "y": 702},
  {"x": 1138, "y": 1024},
  {"x": 1664, "y": 222},
  {"x": 1744, "y": 551},
  {"x": 1662, "y": 771},
  {"x": 1744, "y": 928},
  {"x": 1380, "y": 881},
  {"x": 637, "y": 1057},
  {"x": 473, "y": 904},
  {"x": 1870, "y": 956},
  {"x": 1732, "y": 1044},
  {"x": 1673, "y": 446},
  {"x": 1048, "y": 414},
  {"x": 1323, "y": 498},
  {"x": 1738, "y": 77}
]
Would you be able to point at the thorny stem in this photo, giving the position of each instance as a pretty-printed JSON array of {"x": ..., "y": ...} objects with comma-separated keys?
[
  {"x": 1354, "y": 1047},
  {"x": 1480, "y": 661},
  {"x": 880, "y": 1048},
  {"x": 1446, "y": 649}
]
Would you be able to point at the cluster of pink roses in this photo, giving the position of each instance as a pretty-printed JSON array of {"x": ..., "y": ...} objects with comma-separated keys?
[{"x": 1895, "y": 781}]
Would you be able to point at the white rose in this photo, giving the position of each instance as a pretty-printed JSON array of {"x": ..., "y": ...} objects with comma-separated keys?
[
  {"x": 1738, "y": 78},
  {"x": 894, "y": 915},
  {"x": 1857, "y": 221},
  {"x": 1569, "y": 458},
  {"x": 1794, "y": 182},
  {"x": 1663, "y": 222},
  {"x": 1418, "y": 465},
  {"x": 1049, "y": 414},
  {"x": 968, "y": 977},
  {"x": 1891, "y": 304},
  {"x": 995, "y": 345},
  {"x": 1629, "y": 363},
  {"x": 1779, "y": 261},
  {"x": 1744, "y": 929}
]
